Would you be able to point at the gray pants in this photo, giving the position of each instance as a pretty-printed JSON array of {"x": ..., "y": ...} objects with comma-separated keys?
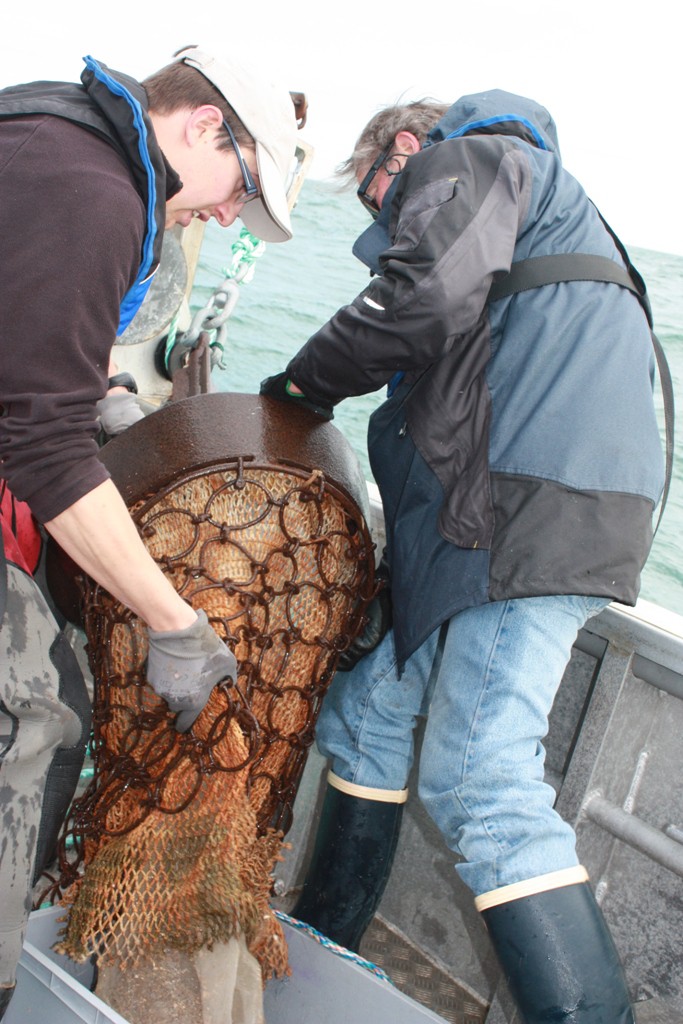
[{"x": 44, "y": 729}]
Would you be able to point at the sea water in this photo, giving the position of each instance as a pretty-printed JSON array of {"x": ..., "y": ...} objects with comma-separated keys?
[{"x": 297, "y": 286}]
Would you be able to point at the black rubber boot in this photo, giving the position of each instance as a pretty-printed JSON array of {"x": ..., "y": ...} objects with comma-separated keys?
[
  {"x": 559, "y": 959},
  {"x": 6, "y": 994},
  {"x": 349, "y": 870}
]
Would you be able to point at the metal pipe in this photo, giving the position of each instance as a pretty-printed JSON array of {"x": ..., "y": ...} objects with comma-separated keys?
[{"x": 635, "y": 833}]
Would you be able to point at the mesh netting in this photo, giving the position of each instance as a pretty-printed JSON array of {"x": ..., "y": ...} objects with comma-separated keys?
[{"x": 179, "y": 833}]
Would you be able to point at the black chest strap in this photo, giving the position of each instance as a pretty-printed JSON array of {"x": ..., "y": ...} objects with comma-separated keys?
[{"x": 577, "y": 266}]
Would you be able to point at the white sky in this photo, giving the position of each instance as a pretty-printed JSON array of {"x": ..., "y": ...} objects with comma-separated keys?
[{"x": 608, "y": 71}]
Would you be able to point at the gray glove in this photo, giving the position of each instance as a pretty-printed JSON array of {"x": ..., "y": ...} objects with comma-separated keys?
[
  {"x": 118, "y": 411},
  {"x": 184, "y": 665}
]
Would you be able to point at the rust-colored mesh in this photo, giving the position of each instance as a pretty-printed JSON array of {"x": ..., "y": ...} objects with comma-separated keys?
[
  {"x": 181, "y": 881},
  {"x": 179, "y": 833}
]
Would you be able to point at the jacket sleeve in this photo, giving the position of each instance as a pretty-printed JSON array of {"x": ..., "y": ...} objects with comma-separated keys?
[
  {"x": 71, "y": 227},
  {"x": 455, "y": 219}
]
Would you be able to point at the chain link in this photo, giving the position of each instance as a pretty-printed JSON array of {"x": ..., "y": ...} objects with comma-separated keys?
[{"x": 215, "y": 314}]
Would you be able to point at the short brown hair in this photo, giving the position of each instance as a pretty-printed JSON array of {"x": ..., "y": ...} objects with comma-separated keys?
[
  {"x": 418, "y": 117},
  {"x": 178, "y": 86}
]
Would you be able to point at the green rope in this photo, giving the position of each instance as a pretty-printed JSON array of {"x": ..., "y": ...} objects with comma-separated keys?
[
  {"x": 245, "y": 251},
  {"x": 170, "y": 338}
]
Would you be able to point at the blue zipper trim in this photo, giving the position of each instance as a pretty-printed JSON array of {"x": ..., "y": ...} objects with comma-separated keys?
[
  {"x": 142, "y": 280},
  {"x": 487, "y": 122}
]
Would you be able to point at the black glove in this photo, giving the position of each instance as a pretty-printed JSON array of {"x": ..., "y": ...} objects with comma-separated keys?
[
  {"x": 379, "y": 618},
  {"x": 278, "y": 387},
  {"x": 184, "y": 665}
]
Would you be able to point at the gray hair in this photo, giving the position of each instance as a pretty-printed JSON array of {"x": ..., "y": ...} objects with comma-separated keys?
[{"x": 418, "y": 117}]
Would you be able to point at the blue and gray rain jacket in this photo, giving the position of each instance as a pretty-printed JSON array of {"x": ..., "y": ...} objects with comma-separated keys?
[{"x": 518, "y": 455}]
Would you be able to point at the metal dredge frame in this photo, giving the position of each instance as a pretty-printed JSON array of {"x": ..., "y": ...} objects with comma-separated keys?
[{"x": 305, "y": 595}]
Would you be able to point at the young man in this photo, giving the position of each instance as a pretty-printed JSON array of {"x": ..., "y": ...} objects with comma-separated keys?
[
  {"x": 519, "y": 463},
  {"x": 90, "y": 175}
]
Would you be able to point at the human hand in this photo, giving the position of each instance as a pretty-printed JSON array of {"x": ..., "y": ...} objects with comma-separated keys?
[
  {"x": 184, "y": 665},
  {"x": 117, "y": 411},
  {"x": 285, "y": 390}
]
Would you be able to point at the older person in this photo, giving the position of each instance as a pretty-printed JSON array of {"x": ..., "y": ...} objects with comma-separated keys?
[{"x": 519, "y": 464}]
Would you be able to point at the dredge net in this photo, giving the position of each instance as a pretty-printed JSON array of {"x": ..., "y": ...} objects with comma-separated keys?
[{"x": 170, "y": 850}]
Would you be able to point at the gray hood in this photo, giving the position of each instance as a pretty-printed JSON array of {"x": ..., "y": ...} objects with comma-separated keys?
[{"x": 497, "y": 112}]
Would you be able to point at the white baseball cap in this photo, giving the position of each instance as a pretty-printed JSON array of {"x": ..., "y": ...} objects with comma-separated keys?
[{"x": 268, "y": 114}]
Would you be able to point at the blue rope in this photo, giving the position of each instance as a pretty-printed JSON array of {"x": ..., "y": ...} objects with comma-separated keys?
[{"x": 338, "y": 950}]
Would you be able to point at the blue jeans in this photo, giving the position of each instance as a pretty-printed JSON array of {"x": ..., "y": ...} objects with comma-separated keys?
[{"x": 487, "y": 686}]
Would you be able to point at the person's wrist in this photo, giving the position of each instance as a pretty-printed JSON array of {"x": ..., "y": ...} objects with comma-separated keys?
[{"x": 168, "y": 620}]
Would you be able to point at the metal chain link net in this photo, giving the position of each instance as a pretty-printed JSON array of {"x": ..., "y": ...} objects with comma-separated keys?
[{"x": 179, "y": 833}]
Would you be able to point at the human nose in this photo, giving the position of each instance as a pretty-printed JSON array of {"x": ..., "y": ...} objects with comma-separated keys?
[{"x": 227, "y": 213}]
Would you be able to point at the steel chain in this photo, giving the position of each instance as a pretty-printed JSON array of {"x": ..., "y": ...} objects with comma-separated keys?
[{"x": 215, "y": 314}]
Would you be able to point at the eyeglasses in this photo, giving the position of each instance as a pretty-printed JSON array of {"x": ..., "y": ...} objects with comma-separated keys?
[
  {"x": 383, "y": 160},
  {"x": 369, "y": 202},
  {"x": 251, "y": 190}
]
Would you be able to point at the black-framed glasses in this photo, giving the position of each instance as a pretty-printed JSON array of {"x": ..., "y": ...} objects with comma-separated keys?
[
  {"x": 383, "y": 160},
  {"x": 251, "y": 190},
  {"x": 369, "y": 202}
]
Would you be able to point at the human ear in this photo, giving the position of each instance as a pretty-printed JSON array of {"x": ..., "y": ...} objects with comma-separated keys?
[
  {"x": 203, "y": 123},
  {"x": 407, "y": 143}
]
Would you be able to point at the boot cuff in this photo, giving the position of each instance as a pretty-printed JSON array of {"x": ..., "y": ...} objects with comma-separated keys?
[
  {"x": 385, "y": 796},
  {"x": 541, "y": 883}
]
